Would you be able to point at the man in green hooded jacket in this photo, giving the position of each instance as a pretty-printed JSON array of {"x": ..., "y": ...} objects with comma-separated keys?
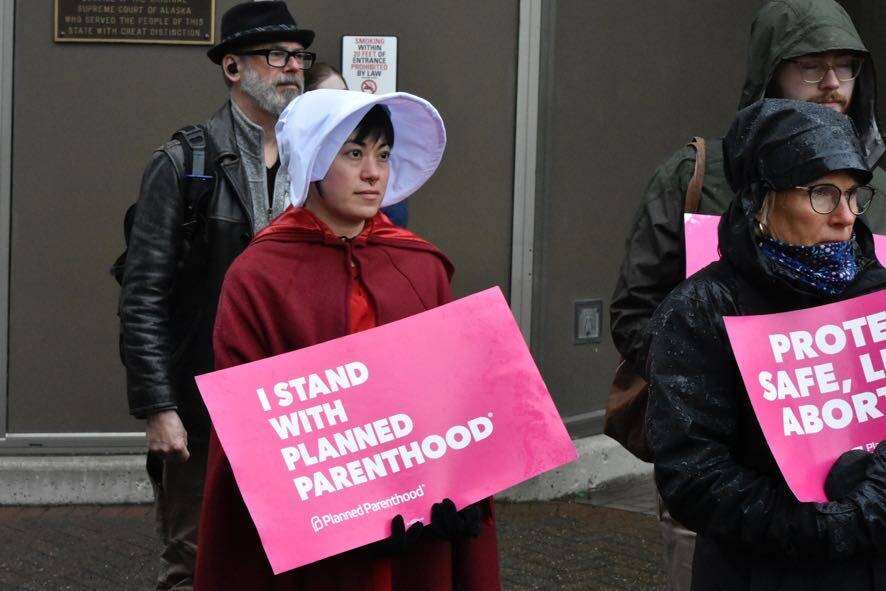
[{"x": 799, "y": 49}]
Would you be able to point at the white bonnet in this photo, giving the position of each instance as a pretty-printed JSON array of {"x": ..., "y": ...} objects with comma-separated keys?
[{"x": 313, "y": 128}]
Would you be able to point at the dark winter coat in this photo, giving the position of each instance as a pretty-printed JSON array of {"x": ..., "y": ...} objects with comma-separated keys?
[
  {"x": 713, "y": 466},
  {"x": 167, "y": 305},
  {"x": 655, "y": 259},
  {"x": 306, "y": 301}
]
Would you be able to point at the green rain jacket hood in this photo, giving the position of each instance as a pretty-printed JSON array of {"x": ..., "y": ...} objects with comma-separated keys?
[{"x": 785, "y": 29}]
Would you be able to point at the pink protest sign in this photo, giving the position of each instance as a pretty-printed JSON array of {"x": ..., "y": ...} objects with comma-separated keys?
[
  {"x": 700, "y": 232},
  {"x": 817, "y": 380},
  {"x": 329, "y": 443}
]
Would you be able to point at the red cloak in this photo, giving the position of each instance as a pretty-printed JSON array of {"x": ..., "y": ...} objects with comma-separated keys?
[{"x": 298, "y": 285}]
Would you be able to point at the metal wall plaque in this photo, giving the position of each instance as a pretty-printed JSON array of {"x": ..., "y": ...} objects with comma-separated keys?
[{"x": 185, "y": 22}]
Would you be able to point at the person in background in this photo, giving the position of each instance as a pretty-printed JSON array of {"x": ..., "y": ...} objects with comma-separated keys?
[
  {"x": 323, "y": 75},
  {"x": 328, "y": 267},
  {"x": 798, "y": 49},
  {"x": 169, "y": 292},
  {"x": 793, "y": 237}
]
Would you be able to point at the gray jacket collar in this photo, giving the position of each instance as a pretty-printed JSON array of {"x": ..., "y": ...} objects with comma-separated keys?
[
  {"x": 238, "y": 146},
  {"x": 249, "y": 138}
]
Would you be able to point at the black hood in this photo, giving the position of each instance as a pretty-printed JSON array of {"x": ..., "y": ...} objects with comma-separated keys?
[
  {"x": 782, "y": 143},
  {"x": 776, "y": 144}
]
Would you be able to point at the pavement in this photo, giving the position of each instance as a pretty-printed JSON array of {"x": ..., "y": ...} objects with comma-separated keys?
[{"x": 604, "y": 540}]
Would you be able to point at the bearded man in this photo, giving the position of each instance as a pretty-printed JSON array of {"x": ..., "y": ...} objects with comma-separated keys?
[{"x": 203, "y": 196}]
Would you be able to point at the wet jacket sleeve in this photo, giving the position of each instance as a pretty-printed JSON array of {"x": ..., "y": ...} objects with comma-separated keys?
[
  {"x": 696, "y": 406},
  {"x": 147, "y": 287},
  {"x": 654, "y": 259}
]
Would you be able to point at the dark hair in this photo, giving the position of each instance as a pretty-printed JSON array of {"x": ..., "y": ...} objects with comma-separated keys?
[
  {"x": 375, "y": 125},
  {"x": 318, "y": 73}
]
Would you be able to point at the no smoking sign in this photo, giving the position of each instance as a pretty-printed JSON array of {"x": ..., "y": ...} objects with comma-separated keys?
[{"x": 369, "y": 63}]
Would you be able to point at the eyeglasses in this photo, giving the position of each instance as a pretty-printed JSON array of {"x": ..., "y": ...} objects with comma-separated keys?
[
  {"x": 278, "y": 58},
  {"x": 826, "y": 198},
  {"x": 813, "y": 71}
]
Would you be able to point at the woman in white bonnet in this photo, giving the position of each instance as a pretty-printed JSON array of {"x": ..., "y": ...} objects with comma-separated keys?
[{"x": 332, "y": 265}]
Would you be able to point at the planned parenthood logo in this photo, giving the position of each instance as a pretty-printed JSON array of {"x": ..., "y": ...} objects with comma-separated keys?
[{"x": 318, "y": 522}]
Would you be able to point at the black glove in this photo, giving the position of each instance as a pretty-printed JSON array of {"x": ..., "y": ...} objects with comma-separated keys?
[
  {"x": 449, "y": 524},
  {"x": 869, "y": 500},
  {"x": 847, "y": 473},
  {"x": 400, "y": 539}
]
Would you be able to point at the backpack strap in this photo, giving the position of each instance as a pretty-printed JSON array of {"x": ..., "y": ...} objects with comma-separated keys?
[
  {"x": 197, "y": 182},
  {"x": 190, "y": 169},
  {"x": 194, "y": 138},
  {"x": 693, "y": 191}
]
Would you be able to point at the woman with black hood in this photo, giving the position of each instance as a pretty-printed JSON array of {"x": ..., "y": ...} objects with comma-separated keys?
[{"x": 789, "y": 240}]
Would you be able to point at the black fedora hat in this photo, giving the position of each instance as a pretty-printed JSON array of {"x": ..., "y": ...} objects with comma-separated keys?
[{"x": 257, "y": 22}]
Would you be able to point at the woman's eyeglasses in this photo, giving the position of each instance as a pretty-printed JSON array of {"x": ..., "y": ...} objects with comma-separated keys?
[{"x": 825, "y": 198}]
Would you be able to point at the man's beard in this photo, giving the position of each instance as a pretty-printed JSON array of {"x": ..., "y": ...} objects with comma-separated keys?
[{"x": 269, "y": 97}]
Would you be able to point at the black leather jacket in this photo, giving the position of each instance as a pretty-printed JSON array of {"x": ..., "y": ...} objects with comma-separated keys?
[{"x": 168, "y": 303}]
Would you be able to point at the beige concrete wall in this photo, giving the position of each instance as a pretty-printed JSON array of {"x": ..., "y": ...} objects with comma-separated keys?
[{"x": 624, "y": 85}]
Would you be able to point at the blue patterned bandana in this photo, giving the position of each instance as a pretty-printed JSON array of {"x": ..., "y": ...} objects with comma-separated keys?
[{"x": 827, "y": 268}]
